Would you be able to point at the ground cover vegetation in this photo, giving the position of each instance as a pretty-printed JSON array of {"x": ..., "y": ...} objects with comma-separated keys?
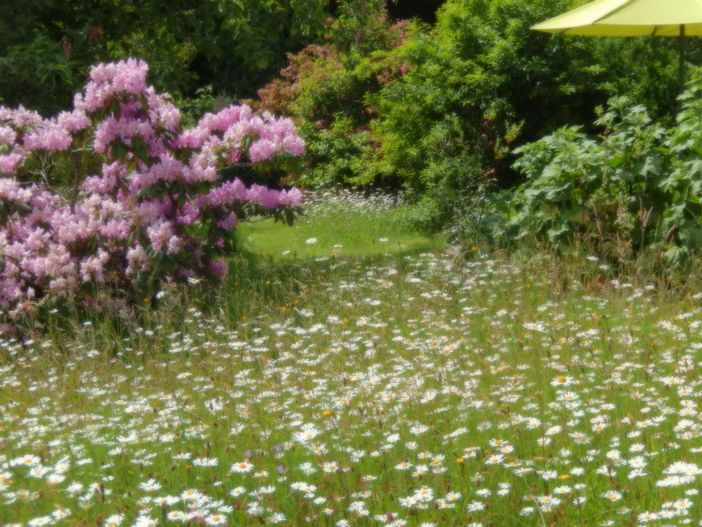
[
  {"x": 371, "y": 224},
  {"x": 393, "y": 389}
]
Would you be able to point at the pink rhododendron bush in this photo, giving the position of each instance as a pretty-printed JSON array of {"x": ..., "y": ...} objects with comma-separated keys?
[{"x": 145, "y": 199}]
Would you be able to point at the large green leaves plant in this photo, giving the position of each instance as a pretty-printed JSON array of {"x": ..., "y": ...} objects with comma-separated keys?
[
  {"x": 682, "y": 219},
  {"x": 636, "y": 186},
  {"x": 606, "y": 188}
]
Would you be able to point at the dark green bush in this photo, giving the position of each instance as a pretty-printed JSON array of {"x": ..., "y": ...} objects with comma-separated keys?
[
  {"x": 484, "y": 69},
  {"x": 47, "y": 46},
  {"x": 336, "y": 156}
]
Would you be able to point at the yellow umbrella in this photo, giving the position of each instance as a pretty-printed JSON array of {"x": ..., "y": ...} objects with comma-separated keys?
[{"x": 632, "y": 18}]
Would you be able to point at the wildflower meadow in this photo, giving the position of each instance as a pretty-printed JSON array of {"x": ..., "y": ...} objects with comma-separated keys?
[{"x": 401, "y": 388}]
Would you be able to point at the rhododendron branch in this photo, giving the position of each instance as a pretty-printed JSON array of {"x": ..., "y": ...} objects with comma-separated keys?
[{"x": 77, "y": 178}]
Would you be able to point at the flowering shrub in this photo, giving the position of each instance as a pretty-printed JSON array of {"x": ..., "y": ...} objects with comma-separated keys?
[{"x": 148, "y": 199}]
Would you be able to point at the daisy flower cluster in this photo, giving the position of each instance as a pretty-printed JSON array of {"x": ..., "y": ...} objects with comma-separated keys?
[{"x": 418, "y": 390}]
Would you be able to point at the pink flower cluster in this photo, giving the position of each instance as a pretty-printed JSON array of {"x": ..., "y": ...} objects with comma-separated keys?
[{"x": 160, "y": 201}]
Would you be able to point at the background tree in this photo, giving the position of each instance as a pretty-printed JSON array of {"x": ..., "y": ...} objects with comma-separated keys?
[{"x": 47, "y": 46}]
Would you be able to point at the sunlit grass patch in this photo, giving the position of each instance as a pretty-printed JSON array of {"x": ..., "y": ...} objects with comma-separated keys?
[{"x": 339, "y": 227}]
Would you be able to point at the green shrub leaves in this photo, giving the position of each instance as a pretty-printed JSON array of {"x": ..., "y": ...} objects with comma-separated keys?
[{"x": 638, "y": 185}]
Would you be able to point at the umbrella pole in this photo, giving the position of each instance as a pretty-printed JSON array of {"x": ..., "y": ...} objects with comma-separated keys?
[{"x": 681, "y": 65}]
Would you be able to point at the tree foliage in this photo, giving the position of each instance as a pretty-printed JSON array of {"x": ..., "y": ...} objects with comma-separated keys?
[{"x": 47, "y": 46}]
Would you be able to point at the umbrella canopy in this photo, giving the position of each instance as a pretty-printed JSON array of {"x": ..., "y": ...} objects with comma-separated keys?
[
  {"x": 629, "y": 18},
  {"x": 632, "y": 18}
]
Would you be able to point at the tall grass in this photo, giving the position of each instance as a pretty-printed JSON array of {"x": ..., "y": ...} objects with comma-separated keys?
[{"x": 393, "y": 389}]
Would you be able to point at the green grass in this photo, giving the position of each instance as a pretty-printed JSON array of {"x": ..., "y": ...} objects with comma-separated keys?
[
  {"x": 336, "y": 233},
  {"x": 403, "y": 389}
]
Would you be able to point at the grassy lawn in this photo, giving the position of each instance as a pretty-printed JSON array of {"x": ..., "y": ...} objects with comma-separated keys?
[
  {"x": 395, "y": 389},
  {"x": 341, "y": 227}
]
